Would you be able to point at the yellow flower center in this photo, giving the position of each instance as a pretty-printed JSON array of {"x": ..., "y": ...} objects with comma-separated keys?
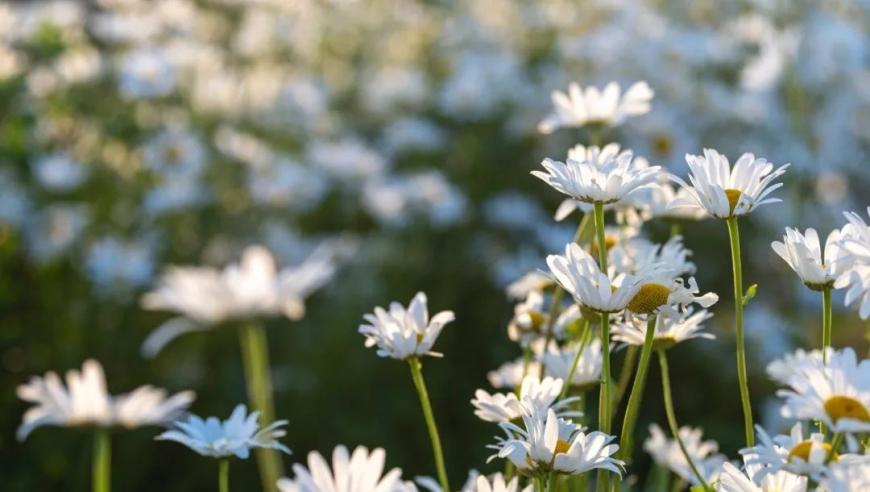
[
  {"x": 609, "y": 242},
  {"x": 532, "y": 320},
  {"x": 803, "y": 448},
  {"x": 664, "y": 343},
  {"x": 562, "y": 446},
  {"x": 662, "y": 144},
  {"x": 845, "y": 407},
  {"x": 733, "y": 197},
  {"x": 419, "y": 337},
  {"x": 649, "y": 298}
]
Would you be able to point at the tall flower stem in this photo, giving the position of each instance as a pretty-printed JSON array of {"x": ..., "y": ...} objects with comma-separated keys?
[
  {"x": 224, "y": 475},
  {"x": 255, "y": 356},
  {"x": 672, "y": 419},
  {"x": 417, "y": 376},
  {"x": 628, "y": 363},
  {"x": 734, "y": 236},
  {"x": 551, "y": 482},
  {"x": 827, "y": 318},
  {"x": 573, "y": 369},
  {"x": 626, "y": 437},
  {"x": 101, "y": 467},
  {"x": 606, "y": 392}
]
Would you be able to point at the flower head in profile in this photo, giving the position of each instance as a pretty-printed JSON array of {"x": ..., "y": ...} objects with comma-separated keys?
[
  {"x": 497, "y": 483},
  {"x": 85, "y": 401},
  {"x": 360, "y": 471},
  {"x": 667, "y": 454},
  {"x": 725, "y": 192},
  {"x": 817, "y": 268},
  {"x": 655, "y": 202},
  {"x": 528, "y": 283},
  {"x": 578, "y": 273},
  {"x": 670, "y": 328},
  {"x": 558, "y": 362},
  {"x": 539, "y": 393},
  {"x": 254, "y": 287},
  {"x": 784, "y": 368},
  {"x": 836, "y": 393},
  {"x": 510, "y": 374},
  {"x": 235, "y": 436},
  {"x": 848, "y": 474},
  {"x": 855, "y": 257},
  {"x": 401, "y": 333},
  {"x": 734, "y": 480},
  {"x": 529, "y": 320},
  {"x": 548, "y": 443},
  {"x": 590, "y": 106},
  {"x": 794, "y": 453},
  {"x": 608, "y": 180}
]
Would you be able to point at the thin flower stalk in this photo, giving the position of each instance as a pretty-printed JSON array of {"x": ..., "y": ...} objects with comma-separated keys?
[
  {"x": 734, "y": 236},
  {"x": 625, "y": 372},
  {"x": 672, "y": 419},
  {"x": 584, "y": 340},
  {"x": 632, "y": 409},
  {"x": 101, "y": 467},
  {"x": 827, "y": 322},
  {"x": 224, "y": 475},
  {"x": 605, "y": 393},
  {"x": 417, "y": 375},
  {"x": 255, "y": 356}
]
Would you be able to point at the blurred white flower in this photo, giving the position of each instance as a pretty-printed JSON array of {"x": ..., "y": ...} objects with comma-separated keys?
[
  {"x": 112, "y": 262},
  {"x": 510, "y": 374},
  {"x": 174, "y": 153},
  {"x": 848, "y": 474},
  {"x": 541, "y": 393},
  {"x": 580, "y": 107},
  {"x": 55, "y": 229},
  {"x": 734, "y": 480},
  {"x": 667, "y": 454},
  {"x": 783, "y": 369},
  {"x": 362, "y": 471},
  {"x": 836, "y": 393},
  {"x": 235, "y": 436},
  {"x": 402, "y": 333},
  {"x": 347, "y": 159},
  {"x": 146, "y": 73},
  {"x": 725, "y": 192},
  {"x": 85, "y": 401},
  {"x": 855, "y": 259},
  {"x": 59, "y": 172},
  {"x": 286, "y": 183},
  {"x": 254, "y": 287},
  {"x": 817, "y": 268},
  {"x": 670, "y": 329},
  {"x": 497, "y": 484},
  {"x": 525, "y": 285},
  {"x": 558, "y": 363}
]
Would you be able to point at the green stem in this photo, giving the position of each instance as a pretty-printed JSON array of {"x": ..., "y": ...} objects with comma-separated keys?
[
  {"x": 672, "y": 419},
  {"x": 606, "y": 391},
  {"x": 625, "y": 373},
  {"x": 551, "y": 482},
  {"x": 573, "y": 369},
  {"x": 734, "y": 236},
  {"x": 836, "y": 442},
  {"x": 632, "y": 410},
  {"x": 417, "y": 376},
  {"x": 827, "y": 318},
  {"x": 675, "y": 229},
  {"x": 255, "y": 356},
  {"x": 659, "y": 480},
  {"x": 224, "y": 475},
  {"x": 101, "y": 467}
]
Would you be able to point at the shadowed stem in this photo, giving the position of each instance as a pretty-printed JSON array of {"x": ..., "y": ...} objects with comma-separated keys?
[
  {"x": 224, "y": 475},
  {"x": 258, "y": 379},
  {"x": 551, "y": 482},
  {"x": 628, "y": 363},
  {"x": 626, "y": 439},
  {"x": 827, "y": 318},
  {"x": 734, "y": 236},
  {"x": 417, "y": 376},
  {"x": 580, "y": 347},
  {"x": 101, "y": 467},
  {"x": 606, "y": 392},
  {"x": 672, "y": 419}
]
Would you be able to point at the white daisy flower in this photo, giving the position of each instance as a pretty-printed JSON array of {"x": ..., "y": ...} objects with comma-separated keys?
[
  {"x": 540, "y": 393},
  {"x": 734, "y": 480},
  {"x": 579, "y": 107},
  {"x": 655, "y": 202},
  {"x": 793, "y": 453},
  {"x": 254, "y": 287},
  {"x": 817, "y": 268},
  {"x": 497, "y": 484},
  {"x": 661, "y": 292},
  {"x": 667, "y": 454},
  {"x": 510, "y": 374},
  {"x": 85, "y": 401},
  {"x": 529, "y": 319},
  {"x": 837, "y": 394},
  {"x": 528, "y": 283},
  {"x": 606, "y": 182},
  {"x": 783, "y": 369},
  {"x": 235, "y": 436},
  {"x": 360, "y": 471},
  {"x": 855, "y": 243},
  {"x": 402, "y": 333},
  {"x": 594, "y": 154},
  {"x": 669, "y": 329},
  {"x": 848, "y": 474},
  {"x": 550, "y": 443},
  {"x": 588, "y": 371},
  {"x": 725, "y": 192},
  {"x": 636, "y": 254},
  {"x": 578, "y": 273}
]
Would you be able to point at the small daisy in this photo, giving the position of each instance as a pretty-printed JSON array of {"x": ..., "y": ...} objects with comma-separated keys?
[
  {"x": 548, "y": 443},
  {"x": 817, "y": 268},
  {"x": 591, "y": 106},
  {"x": 540, "y": 393},
  {"x": 655, "y": 202},
  {"x": 497, "y": 484},
  {"x": 604, "y": 182},
  {"x": 528, "y": 283},
  {"x": 578, "y": 273},
  {"x": 793, "y": 453},
  {"x": 402, "y": 333},
  {"x": 84, "y": 401},
  {"x": 783, "y": 369},
  {"x": 661, "y": 292},
  {"x": 587, "y": 373},
  {"x": 725, "y": 192},
  {"x": 510, "y": 374},
  {"x": 599, "y": 156},
  {"x": 634, "y": 255},
  {"x": 361, "y": 471},
  {"x": 529, "y": 319},
  {"x": 855, "y": 243},
  {"x": 838, "y": 393},
  {"x": 235, "y": 436},
  {"x": 848, "y": 474},
  {"x": 734, "y": 480},
  {"x": 667, "y": 454},
  {"x": 669, "y": 330}
]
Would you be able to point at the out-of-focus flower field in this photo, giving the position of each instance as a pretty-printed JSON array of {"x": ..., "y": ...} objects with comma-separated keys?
[{"x": 395, "y": 140}]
